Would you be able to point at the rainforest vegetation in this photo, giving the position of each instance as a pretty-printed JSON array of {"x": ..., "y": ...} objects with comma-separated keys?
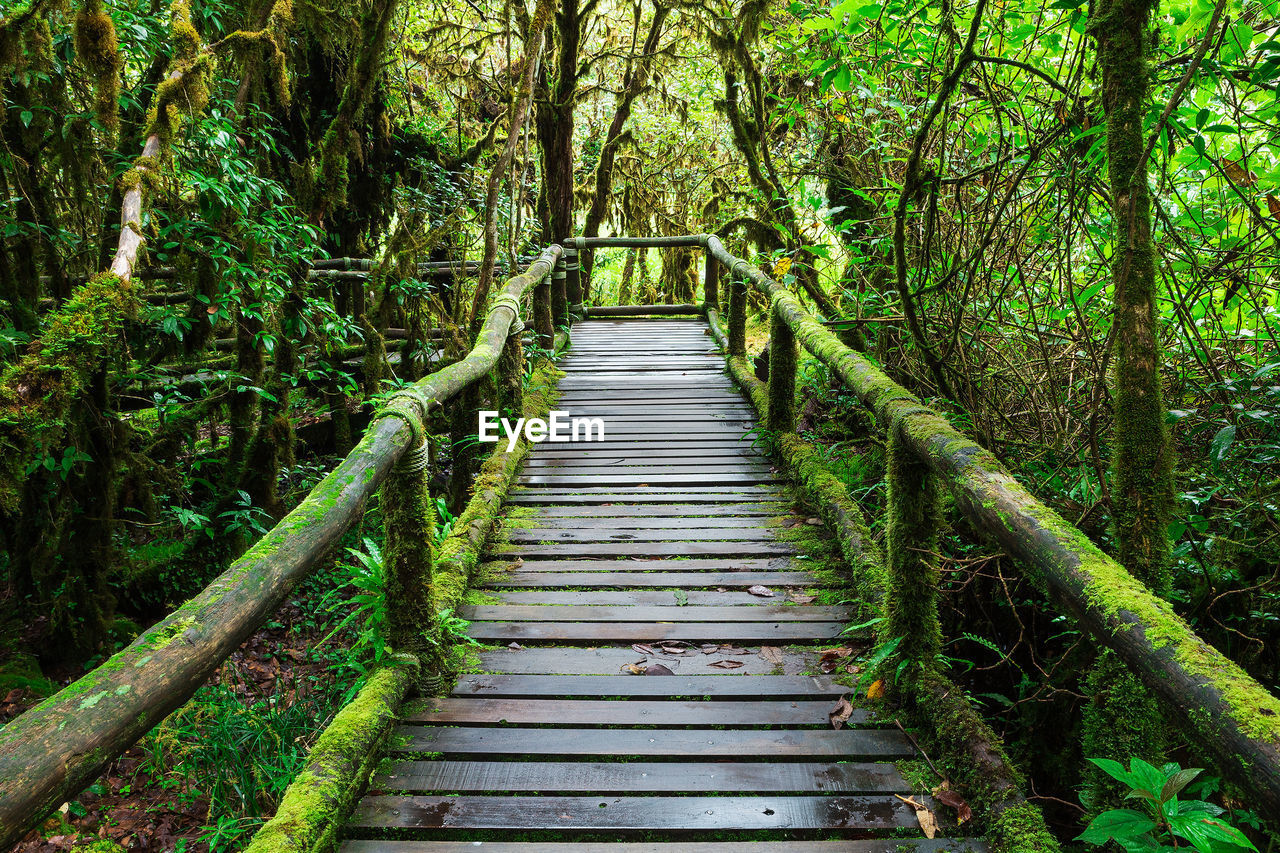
[{"x": 228, "y": 228}]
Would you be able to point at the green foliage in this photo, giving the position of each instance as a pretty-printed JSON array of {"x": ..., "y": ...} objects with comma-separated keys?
[
  {"x": 363, "y": 598},
  {"x": 1166, "y": 821}
]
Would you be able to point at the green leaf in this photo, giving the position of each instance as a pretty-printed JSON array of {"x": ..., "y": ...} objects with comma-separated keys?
[
  {"x": 1221, "y": 443},
  {"x": 1115, "y": 770},
  {"x": 25, "y": 117},
  {"x": 1209, "y": 834},
  {"x": 1146, "y": 777},
  {"x": 1177, "y": 782},
  {"x": 1117, "y": 824}
]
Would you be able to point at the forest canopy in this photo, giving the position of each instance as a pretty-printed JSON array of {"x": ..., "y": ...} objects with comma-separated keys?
[{"x": 229, "y": 228}]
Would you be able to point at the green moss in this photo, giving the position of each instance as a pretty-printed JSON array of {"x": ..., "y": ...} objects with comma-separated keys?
[
  {"x": 41, "y": 395},
  {"x": 311, "y": 814},
  {"x": 98, "y": 50},
  {"x": 22, "y": 672}
]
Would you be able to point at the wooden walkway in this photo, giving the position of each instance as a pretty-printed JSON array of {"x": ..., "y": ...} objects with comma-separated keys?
[{"x": 634, "y": 553}]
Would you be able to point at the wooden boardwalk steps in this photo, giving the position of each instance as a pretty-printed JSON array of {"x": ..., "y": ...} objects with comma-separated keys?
[{"x": 621, "y": 555}]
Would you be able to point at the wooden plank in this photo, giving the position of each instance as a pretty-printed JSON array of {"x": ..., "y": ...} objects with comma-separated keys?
[
  {"x": 607, "y": 534},
  {"x": 655, "y": 445},
  {"x": 720, "y": 565},
  {"x": 646, "y": 549},
  {"x": 569, "y": 777},
  {"x": 652, "y": 613},
  {"x": 774, "y": 633},
  {"x": 612, "y": 660},
  {"x": 779, "y": 744},
  {"x": 623, "y": 598},
  {"x": 675, "y": 432},
  {"x": 569, "y": 814},
  {"x": 881, "y": 845},
  {"x": 638, "y": 523},
  {"x": 673, "y": 511},
  {"x": 662, "y": 580},
  {"x": 604, "y": 712},
  {"x": 563, "y": 497},
  {"x": 651, "y": 477},
  {"x": 615, "y": 463},
  {"x": 715, "y": 687}
]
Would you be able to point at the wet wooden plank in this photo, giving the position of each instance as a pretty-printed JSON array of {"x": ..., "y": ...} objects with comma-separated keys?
[
  {"x": 654, "y": 445},
  {"x": 569, "y": 777},
  {"x": 650, "y": 477},
  {"x": 651, "y": 613},
  {"x": 646, "y": 549},
  {"x": 544, "y": 497},
  {"x": 773, "y": 564},
  {"x": 852, "y": 744},
  {"x": 609, "y": 466},
  {"x": 679, "y": 511},
  {"x": 569, "y": 814},
  {"x": 716, "y": 687},
  {"x": 612, "y": 660},
  {"x": 661, "y": 580},
  {"x": 613, "y": 534},
  {"x": 638, "y": 523},
  {"x": 774, "y": 633},
  {"x": 624, "y": 598},
  {"x": 882, "y": 845},
  {"x": 602, "y": 712}
]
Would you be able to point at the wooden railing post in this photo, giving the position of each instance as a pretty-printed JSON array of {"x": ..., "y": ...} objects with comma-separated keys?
[
  {"x": 573, "y": 281},
  {"x": 711, "y": 283},
  {"x": 510, "y": 372},
  {"x": 544, "y": 322},
  {"x": 911, "y": 603},
  {"x": 737, "y": 312},
  {"x": 559, "y": 288},
  {"x": 783, "y": 354},
  {"x": 409, "y": 518}
]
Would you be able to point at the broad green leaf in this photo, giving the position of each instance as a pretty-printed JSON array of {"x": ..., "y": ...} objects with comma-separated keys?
[
  {"x": 1221, "y": 443},
  {"x": 1115, "y": 770},
  {"x": 1177, "y": 782},
  {"x": 1117, "y": 824}
]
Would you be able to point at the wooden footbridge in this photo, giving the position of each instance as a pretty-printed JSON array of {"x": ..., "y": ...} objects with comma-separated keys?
[{"x": 652, "y": 625}]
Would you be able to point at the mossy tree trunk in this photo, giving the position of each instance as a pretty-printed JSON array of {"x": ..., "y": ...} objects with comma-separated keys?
[{"x": 1123, "y": 720}]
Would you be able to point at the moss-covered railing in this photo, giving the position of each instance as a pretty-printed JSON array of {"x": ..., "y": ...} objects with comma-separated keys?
[
  {"x": 51, "y": 752},
  {"x": 1236, "y": 719}
]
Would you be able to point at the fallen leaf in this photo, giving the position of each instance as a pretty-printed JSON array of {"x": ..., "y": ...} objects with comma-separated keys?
[
  {"x": 643, "y": 648},
  {"x": 515, "y": 647},
  {"x": 727, "y": 649},
  {"x": 633, "y": 668},
  {"x": 813, "y": 521},
  {"x": 876, "y": 690},
  {"x": 710, "y": 649},
  {"x": 682, "y": 598},
  {"x": 948, "y": 797},
  {"x": 772, "y": 654},
  {"x": 762, "y": 591},
  {"x": 840, "y": 714},
  {"x": 831, "y": 658},
  {"x": 928, "y": 823},
  {"x": 800, "y": 598},
  {"x": 1273, "y": 205},
  {"x": 657, "y": 669},
  {"x": 726, "y": 664}
]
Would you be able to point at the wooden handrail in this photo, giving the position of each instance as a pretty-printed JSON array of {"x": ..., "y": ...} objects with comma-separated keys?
[
  {"x": 1237, "y": 718},
  {"x": 51, "y": 752}
]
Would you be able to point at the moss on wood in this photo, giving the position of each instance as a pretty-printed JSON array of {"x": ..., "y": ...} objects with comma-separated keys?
[{"x": 310, "y": 817}]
